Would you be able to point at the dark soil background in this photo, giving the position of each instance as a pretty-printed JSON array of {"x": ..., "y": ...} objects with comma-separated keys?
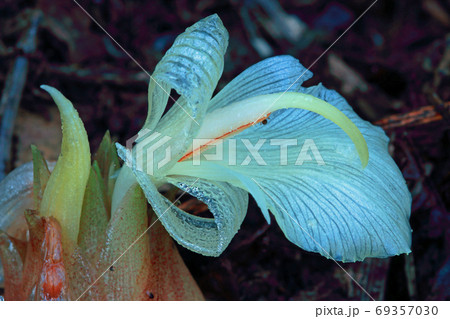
[{"x": 393, "y": 66}]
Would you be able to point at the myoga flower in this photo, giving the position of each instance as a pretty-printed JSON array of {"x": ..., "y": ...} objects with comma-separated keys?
[
  {"x": 352, "y": 205},
  {"x": 79, "y": 220}
]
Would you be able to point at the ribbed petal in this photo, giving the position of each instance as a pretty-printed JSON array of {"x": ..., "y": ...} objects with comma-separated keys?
[
  {"x": 206, "y": 236},
  {"x": 272, "y": 75},
  {"x": 338, "y": 209},
  {"x": 17, "y": 196},
  {"x": 192, "y": 66}
]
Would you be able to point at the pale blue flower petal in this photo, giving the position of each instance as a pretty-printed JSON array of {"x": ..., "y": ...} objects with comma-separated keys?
[
  {"x": 272, "y": 75},
  {"x": 338, "y": 209},
  {"x": 205, "y": 236},
  {"x": 192, "y": 67}
]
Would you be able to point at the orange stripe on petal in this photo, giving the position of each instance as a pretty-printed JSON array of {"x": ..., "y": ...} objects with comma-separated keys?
[{"x": 227, "y": 134}]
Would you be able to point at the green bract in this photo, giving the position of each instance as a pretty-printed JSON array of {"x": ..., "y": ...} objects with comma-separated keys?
[{"x": 341, "y": 209}]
